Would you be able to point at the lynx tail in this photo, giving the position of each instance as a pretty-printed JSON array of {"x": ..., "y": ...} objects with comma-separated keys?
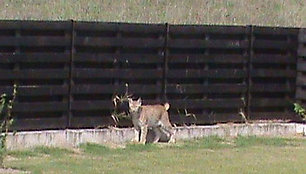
[{"x": 167, "y": 106}]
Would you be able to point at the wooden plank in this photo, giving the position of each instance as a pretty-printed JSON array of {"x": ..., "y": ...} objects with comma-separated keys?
[
  {"x": 35, "y": 25},
  {"x": 91, "y": 105},
  {"x": 193, "y": 73},
  {"x": 119, "y": 42},
  {"x": 197, "y": 43},
  {"x": 112, "y": 58},
  {"x": 266, "y": 73},
  {"x": 119, "y": 27},
  {"x": 302, "y": 36},
  {"x": 35, "y": 58},
  {"x": 301, "y": 80},
  {"x": 38, "y": 124},
  {"x": 117, "y": 73},
  {"x": 229, "y": 59},
  {"x": 209, "y": 29},
  {"x": 97, "y": 105},
  {"x": 210, "y": 88},
  {"x": 272, "y": 44},
  {"x": 34, "y": 41},
  {"x": 271, "y": 88},
  {"x": 205, "y": 119},
  {"x": 302, "y": 51},
  {"x": 276, "y": 59},
  {"x": 275, "y": 116},
  {"x": 300, "y": 93},
  {"x": 111, "y": 89},
  {"x": 205, "y": 103},
  {"x": 91, "y": 122},
  {"x": 301, "y": 65},
  {"x": 269, "y": 102},
  {"x": 41, "y": 107},
  {"x": 37, "y": 90},
  {"x": 275, "y": 30},
  {"x": 34, "y": 74}
]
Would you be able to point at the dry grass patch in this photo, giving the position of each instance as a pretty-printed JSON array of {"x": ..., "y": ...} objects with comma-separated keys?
[{"x": 233, "y": 12}]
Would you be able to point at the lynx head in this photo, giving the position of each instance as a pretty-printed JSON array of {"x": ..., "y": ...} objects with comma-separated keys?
[{"x": 134, "y": 105}]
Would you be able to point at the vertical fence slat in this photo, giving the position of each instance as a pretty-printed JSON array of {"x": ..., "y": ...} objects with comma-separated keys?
[
  {"x": 72, "y": 52},
  {"x": 250, "y": 57},
  {"x": 300, "y": 94},
  {"x": 164, "y": 90}
]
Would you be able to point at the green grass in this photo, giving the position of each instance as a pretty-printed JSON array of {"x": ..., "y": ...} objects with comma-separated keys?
[
  {"x": 253, "y": 140},
  {"x": 207, "y": 155},
  {"x": 233, "y": 12}
]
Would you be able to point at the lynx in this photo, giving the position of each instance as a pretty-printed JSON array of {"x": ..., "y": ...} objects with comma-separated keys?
[{"x": 153, "y": 117}]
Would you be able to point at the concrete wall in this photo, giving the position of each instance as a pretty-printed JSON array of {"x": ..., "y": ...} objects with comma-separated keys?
[{"x": 72, "y": 138}]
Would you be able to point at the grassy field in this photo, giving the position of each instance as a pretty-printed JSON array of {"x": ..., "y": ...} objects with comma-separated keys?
[
  {"x": 232, "y": 12},
  {"x": 208, "y": 155}
]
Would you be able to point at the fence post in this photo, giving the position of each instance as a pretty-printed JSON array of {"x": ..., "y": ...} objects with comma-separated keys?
[
  {"x": 249, "y": 68},
  {"x": 300, "y": 93},
  {"x": 69, "y": 116},
  {"x": 164, "y": 86}
]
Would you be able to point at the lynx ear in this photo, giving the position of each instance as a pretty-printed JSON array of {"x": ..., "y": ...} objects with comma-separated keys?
[
  {"x": 139, "y": 100},
  {"x": 167, "y": 106}
]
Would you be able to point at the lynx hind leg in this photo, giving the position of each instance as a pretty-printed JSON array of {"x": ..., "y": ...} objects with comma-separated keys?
[
  {"x": 167, "y": 132},
  {"x": 157, "y": 135},
  {"x": 143, "y": 135},
  {"x": 170, "y": 134}
]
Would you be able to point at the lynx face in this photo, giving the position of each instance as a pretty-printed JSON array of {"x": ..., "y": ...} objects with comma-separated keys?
[{"x": 134, "y": 105}]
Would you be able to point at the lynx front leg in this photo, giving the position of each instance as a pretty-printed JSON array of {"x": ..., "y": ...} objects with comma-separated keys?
[
  {"x": 172, "y": 140},
  {"x": 137, "y": 135},
  {"x": 144, "y": 132}
]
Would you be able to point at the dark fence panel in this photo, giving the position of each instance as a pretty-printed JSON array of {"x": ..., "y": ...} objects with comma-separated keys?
[
  {"x": 301, "y": 68},
  {"x": 67, "y": 72},
  {"x": 273, "y": 73},
  {"x": 206, "y": 73},
  {"x": 36, "y": 57},
  {"x": 111, "y": 59}
]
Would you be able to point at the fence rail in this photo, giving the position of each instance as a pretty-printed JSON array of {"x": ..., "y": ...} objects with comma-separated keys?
[{"x": 68, "y": 71}]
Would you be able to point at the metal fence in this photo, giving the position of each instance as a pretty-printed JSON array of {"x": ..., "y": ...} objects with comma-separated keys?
[{"x": 68, "y": 71}]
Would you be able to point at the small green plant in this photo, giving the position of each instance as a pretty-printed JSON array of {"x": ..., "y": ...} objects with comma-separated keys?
[
  {"x": 6, "y": 107},
  {"x": 300, "y": 110},
  {"x": 185, "y": 113},
  {"x": 242, "y": 110},
  {"x": 118, "y": 99}
]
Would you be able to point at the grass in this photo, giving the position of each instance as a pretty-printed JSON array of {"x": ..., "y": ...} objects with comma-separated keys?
[
  {"x": 207, "y": 155},
  {"x": 233, "y": 12}
]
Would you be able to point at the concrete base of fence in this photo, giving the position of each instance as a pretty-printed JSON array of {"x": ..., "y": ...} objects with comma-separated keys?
[{"x": 72, "y": 138}]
